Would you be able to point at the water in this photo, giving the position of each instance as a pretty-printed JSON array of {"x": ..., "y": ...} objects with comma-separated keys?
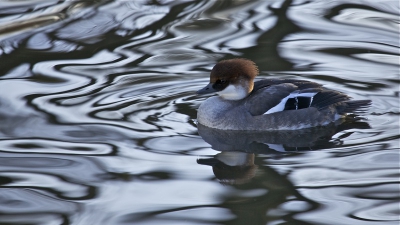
[{"x": 98, "y": 109}]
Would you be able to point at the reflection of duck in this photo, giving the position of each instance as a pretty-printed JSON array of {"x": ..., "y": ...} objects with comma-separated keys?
[
  {"x": 272, "y": 141},
  {"x": 235, "y": 164},
  {"x": 232, "y": 167},
  {"x": 269, "y": 104}
]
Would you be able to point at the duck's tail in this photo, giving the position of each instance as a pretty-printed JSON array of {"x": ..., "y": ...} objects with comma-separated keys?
[
  {"x": 340, "y": 101},
  {"x": 355, "y": 106}
]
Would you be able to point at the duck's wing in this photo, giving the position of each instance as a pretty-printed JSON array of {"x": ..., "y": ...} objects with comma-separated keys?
[
  {"x": 273, "y": 95},
  {"x": 276, "y": 95}
]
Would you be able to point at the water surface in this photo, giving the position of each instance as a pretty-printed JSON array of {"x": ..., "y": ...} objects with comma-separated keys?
[{"x": 98, "y": 113}]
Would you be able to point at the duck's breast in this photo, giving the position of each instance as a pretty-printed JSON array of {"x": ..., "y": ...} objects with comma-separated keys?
[{"x": 222, "y": 114}]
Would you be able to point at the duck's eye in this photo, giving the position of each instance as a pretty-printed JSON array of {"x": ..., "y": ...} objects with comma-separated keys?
[
  {"x": 220, "y": 84},
  {"x": 220, "y": 81}
]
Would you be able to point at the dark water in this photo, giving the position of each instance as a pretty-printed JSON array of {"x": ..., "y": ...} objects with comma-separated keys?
[{"x": 98, "y": 109}]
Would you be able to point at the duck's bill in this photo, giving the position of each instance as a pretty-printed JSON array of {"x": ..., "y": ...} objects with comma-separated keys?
[
  {"x": 208, "y": 161},
  {"x": 206, "y": 90}
]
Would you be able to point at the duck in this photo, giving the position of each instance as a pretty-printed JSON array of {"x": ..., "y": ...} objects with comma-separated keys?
[{"x": 269, "y": 104}]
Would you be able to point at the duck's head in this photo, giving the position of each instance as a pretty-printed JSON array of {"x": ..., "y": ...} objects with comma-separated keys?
[{"x": 231, "y": 79}]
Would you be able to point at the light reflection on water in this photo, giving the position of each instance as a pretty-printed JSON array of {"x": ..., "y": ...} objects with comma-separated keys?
[{"x": 97, "y": 113}]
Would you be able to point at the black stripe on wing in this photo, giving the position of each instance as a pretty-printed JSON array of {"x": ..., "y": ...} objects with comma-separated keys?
[{"x": 298, "y": 103}]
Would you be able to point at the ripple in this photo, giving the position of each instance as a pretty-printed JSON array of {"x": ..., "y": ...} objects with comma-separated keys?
[
  {"x": 54, "y": 146},
  {"x": 15, "y": 201},
  {"x": 335, "y": 207},
  {"x": 53, "y": 184},
  {"x": 328, "y": 45},
  {"x": 201, "y": 215},
  {"x": 176, "y": 144},
  {"x": 323, "y": 177},
  {"x": 38, "y": 218},
  {"x": 34, "y": 162},
  {"x": 368, "y": 18},
  {"x": 381, "y": 213}
]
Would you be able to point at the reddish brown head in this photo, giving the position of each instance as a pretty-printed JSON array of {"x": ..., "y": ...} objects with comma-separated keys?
[
  {"x": 232, "y": 79},
  {"x": 233, "y": 70}
]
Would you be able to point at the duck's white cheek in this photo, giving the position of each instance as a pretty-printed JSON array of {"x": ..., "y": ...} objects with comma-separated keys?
[{"x": 233, "y": 92}]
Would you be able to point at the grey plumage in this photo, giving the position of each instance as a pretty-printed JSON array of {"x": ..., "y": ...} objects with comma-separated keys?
[{"x": 325, "y": 106}]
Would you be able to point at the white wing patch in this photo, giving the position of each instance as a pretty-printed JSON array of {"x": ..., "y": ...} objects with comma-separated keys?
[
  {"x": 281, "y": 106},
  {"x": 276, "y": 147}
]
